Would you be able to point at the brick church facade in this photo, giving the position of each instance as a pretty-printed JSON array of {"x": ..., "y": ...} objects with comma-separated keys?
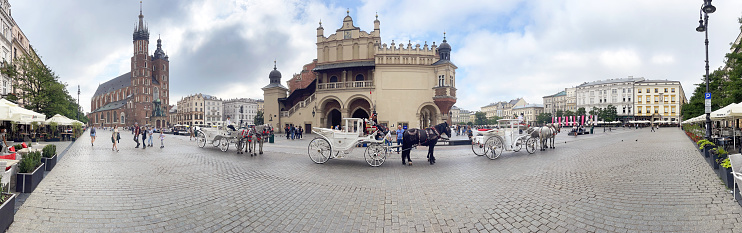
[{"x": 141, "y": 95}]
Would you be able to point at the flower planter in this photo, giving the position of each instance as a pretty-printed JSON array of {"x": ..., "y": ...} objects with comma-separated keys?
[
  {"x": 727, "y": 177},
  {"x": 27, "y": 182},
  {"x": 49, "y": 163},
  {"x": 52, "y": 139},
  {"x": 7, "y": 212}
]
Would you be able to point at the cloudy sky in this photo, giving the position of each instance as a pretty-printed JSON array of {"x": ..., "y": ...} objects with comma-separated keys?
[{"x": 504, "y": 49}]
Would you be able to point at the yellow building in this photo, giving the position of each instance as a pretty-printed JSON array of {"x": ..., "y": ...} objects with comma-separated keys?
[
  {"x": 658, "y": 100},
  {"x": 357, "y": 75}
]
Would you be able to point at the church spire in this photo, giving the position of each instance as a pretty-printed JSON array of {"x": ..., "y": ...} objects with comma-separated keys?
[{"x": 141, "y": 32}]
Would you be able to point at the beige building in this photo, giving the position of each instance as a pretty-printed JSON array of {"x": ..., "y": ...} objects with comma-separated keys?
[
  {"x": 555, "y": 103},
  {"x": 571, "y": 99},
  {"x": 213, "y": 110},
  {"x": 358, "y": 75},
  {"x": 473, "y": 116},
  {"x": 459, "y": 116},
  {"x": 249, "y": 107},
  {"x": 529, "y": 112},
  {"x": 502, "y": 109},
  {"x": 602, "y": 93},
  {"x": 658, "y": 100},
  {"x": 191, "y": 110}
]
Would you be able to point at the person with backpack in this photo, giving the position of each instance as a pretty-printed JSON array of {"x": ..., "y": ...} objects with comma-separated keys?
[
  {"x": 114, "y": 138},
  {"x": 92, "y": 135}
]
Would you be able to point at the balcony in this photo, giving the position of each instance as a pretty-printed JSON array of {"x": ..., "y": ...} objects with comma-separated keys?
[{"x": 345, "y": 85}]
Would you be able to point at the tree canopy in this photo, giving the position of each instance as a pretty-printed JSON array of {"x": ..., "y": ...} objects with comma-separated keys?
[{"x": 40, "y": 89}]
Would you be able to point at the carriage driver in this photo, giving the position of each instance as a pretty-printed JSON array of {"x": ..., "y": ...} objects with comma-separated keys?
[{"x": 229, "y": 124}]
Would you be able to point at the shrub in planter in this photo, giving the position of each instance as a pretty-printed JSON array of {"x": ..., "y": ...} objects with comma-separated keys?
[
  {"x": 726, "y": 175},
  {"x": 30, "y": 173},
  {"x": 7, "y": 208},
  {"x": 49, "y": 157},
  {"x": 705, "y": 145},
  {"x": 17, "y": 147}
]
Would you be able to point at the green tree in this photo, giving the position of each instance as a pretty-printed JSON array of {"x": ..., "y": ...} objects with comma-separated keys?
[
  {"x": 543, "y": 118},
  {"x": 569, "y": 113},
  {"x": 610, "y": 113},
  {"x": 560, "y": 113},
  {"x": 480, "y": 118},
  {"x": 493, "y": 120},
  {"x": 595, "y": 111},
  {"x": 259, "y": 118},
  {"x": 469, "y": 123},
  {"x": 581, "y": 111}
]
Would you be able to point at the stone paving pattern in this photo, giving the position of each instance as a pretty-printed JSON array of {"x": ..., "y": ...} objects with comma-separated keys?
[{"x": 607, "y": 182}]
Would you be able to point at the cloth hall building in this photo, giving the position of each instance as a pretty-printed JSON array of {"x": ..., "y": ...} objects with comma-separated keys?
[
  {"x": 141, "y": 95},
  {"x": 355, "y": 75}
]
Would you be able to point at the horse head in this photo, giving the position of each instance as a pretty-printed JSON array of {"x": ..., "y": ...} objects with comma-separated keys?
[{"x": 443, "y": 128}]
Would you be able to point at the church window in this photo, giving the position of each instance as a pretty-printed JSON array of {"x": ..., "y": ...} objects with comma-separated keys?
[{"x": 145, "y": 64}]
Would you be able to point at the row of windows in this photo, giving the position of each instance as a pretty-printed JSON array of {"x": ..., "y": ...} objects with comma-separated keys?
[
  {"x": 656, "y": 90},
  {"x": 656, "y": 99},
  {"x": 656, "y": 109}
]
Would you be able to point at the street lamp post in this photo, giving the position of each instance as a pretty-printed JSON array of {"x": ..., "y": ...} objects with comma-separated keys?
[
  {"x": 78, "y": 102},
  {"x": 706, "y": 9}
]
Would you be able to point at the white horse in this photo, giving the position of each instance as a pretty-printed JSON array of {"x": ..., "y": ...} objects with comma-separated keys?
[
  {"x": 256, "y": 137},
  {"x": 546, "y": 133}
]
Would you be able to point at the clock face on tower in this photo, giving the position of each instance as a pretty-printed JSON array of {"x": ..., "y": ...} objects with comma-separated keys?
[{"x": 347, "y": 35}]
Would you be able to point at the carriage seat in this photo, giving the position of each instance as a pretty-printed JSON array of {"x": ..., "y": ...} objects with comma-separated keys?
[{"x": 484, "y": 130}]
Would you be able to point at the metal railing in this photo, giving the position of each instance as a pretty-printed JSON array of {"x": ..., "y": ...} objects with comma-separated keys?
[{"x": 345, "y": 85}]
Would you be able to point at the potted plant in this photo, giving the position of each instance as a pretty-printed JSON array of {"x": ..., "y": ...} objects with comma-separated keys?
[
  {"x": 16, "y": 133},
  {"x": 726, "y": 173},
  {"x": 7, "y": 207},
  {"x": 34, "y": 126},
  {"x": 705, "y": 146},
  {"x": 54, "y": 135},
  {"x": 76, "y": 130},
  {"x": 719, "y": 155},
  {"x": 49, "y": 157},
  {"x": 30, "y": 174}
]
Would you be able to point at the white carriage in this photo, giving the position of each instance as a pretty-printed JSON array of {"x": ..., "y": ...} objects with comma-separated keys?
[
  {"x": 506, "y": 137},
  {"x": 331, "y": 143},
  {"x": 219, "y": 137}
]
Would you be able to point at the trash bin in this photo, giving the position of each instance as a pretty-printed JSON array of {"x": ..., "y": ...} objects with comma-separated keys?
[{"x": 270, "y": 139}]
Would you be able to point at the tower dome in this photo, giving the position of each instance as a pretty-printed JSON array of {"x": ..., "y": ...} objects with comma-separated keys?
[
  {"x": 275, "y": 75},
  {"x": 444, "y": 50}
]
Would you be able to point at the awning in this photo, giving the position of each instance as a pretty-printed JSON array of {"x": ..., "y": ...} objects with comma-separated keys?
[{"x": 11, "y": 112}]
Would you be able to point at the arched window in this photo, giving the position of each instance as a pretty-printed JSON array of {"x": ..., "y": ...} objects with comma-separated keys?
[
  {"x": 156, "y": 94},
  {"x": 359, "y": 77},
  {"x": 333, "y": 79},
  {"x": 123, "y": 117}
]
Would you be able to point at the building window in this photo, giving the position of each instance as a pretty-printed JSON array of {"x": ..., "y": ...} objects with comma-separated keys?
[
  {"x": 333, "y": 79},
  {"x": 673, "y": 90},
  {"x": 639, "y": 90},
  {"x": 665, "y": 98},
  {"x": 673, "y": 109},
  {"x": 639, "y": 99},
  {"x": 441, "y": 80},
  {"x": 656, "y": 99},
  {"x": 656, "y": 109},
  {"x": 647, "y": 90},
  {"x": 673, "y": 99},
  {"x": 656, "y": 90}
]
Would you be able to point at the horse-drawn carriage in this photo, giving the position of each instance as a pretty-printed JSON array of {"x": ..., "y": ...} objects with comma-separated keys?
[
  {"x": 222, "y": 137},
  {"x": 505, "y": 137},
  {"x": 219, "y": 137},
  {"x": 330, "y": 142}
]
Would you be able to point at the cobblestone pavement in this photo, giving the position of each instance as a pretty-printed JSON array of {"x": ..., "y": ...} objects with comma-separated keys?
[{"x": 619, "y": 181}]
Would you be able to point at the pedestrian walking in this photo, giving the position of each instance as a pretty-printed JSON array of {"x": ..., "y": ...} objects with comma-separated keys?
[
  {"x": 293, "y": 132},
  {"x": 652, "y": 128},
  {"x": 190, "y": 131},
  {"x": 150, "y": 133},
  {"x": 92, "y": 136},
  {"x": 162, "y": 139},
  {"x": 400, "y": 136},
  {"x": 3, "y": 139},
  {"x": 114, "y": 138},
  {"x": 135, "y": 130},
  {"x": 288, "y": 134},
  {"x": 143, "y": 131}
]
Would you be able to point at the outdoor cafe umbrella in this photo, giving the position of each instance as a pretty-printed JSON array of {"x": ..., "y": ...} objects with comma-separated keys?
[
  {"x": 12, "y": 112},
  {"x": 60, "y": 120}
]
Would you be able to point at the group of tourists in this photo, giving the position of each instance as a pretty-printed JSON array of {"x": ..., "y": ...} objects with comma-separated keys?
[
  {"x": 146, "y": 132},
  {"x": 293, "y": 132}
]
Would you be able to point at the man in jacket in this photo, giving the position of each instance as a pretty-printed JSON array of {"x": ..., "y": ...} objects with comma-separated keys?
[{"x": 143, "y": 130}]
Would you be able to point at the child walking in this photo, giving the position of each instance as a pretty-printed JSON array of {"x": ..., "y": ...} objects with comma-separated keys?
[{"x": 162, "y": 139}]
